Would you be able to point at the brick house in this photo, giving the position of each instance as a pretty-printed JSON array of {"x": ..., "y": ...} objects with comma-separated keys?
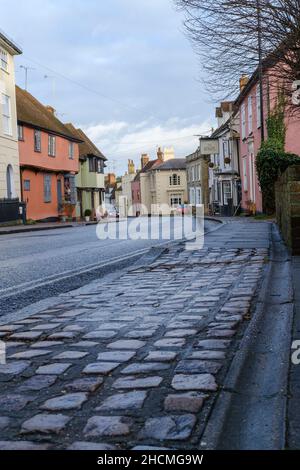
[{"x": 49, "y": 160}]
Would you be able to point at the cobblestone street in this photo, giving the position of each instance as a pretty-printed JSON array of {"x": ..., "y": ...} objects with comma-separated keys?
[{"x": 136, "y": 362}]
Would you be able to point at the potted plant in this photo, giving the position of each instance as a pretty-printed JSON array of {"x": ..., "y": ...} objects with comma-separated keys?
[
  {"x": 68, "y": 210},
  {"x": 227, "y": 160},
  {"x": 87, "y": 215},
  {"x": 211, "y": 164}
]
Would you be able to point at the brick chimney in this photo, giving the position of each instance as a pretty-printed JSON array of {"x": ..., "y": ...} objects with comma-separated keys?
[
  {"x": 243, "y": 81},
  {"x": 110, "y": 179},
  {"x": 50, "y": 109},
  {"x": 160, "y": 154},
  {"x": 144, "y": 159}
]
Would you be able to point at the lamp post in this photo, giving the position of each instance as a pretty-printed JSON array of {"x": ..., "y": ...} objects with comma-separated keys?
[{"x": 26, "y": 68}]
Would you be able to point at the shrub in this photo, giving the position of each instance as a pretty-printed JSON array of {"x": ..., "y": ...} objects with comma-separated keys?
[
  {"x": 272, "y": 160},
  {"x": 87, "y": 213}
]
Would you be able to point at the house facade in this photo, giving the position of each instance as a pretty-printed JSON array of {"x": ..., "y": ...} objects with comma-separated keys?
[
  {"x": 194, "y": 170},
  {"x": 224, "y": 171},
  {"x": 90, "y": 182},
  {"x": 136, "y": 186},
  {"x": 163, "y": 185},
  {"x": 127, "y": 179},
  {"x": 251, "y": 122},
  {"x": 9, "y": 151},
  {"x": 49, "y": 159}
]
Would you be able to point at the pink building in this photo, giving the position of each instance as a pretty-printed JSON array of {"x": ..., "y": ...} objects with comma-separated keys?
[{"x": 248, "y": 107}]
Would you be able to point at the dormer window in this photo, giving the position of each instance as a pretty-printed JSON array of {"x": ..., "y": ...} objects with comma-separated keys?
[{"x": 3, "y": 60}]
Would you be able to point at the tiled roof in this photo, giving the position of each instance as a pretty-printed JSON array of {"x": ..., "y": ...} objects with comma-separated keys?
[
  {"x": 87, "y": 147},
  {"x": 172, "y": 164},
  {"x": 33, "y": 113}
]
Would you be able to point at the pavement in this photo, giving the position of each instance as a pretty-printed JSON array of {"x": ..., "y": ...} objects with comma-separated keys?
[{"x": 137, "y": 359}]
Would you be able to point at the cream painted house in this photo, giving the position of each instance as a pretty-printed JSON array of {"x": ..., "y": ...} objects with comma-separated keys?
[
  {"x": 163, "y": 185},
  {"x": 9, "y": 151}
]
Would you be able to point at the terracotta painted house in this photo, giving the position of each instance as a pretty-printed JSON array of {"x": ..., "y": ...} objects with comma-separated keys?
[
  {"x": 90, "y": 182},
  {"x": 248, "y": 109},
  {"x": 49, "y": 160}
]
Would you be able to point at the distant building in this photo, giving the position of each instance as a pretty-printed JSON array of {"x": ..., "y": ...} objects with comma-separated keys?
[
  {"x": 136, "y": 186},
  {"x": 110, "y": 182},
  {"x": 90, "y": 179},
  {"x": 9, "y": 150},
  {"x": 49, "y": 159},
  {"x": 163, "y": 184},
  {"x": 224, "y": 181},
  {"x": 194, "y": 164}
]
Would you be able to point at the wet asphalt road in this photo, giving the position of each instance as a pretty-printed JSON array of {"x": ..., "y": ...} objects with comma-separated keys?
[{"x": 37, "y": 265}]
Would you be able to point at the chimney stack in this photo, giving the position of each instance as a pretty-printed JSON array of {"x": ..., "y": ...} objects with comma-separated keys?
[
  {"x": 131, "y": 167},
  {"x": 144, "y": 159},
  {"x": 160, "y": 154},
  {"x": 50, "y": 109},
  {"x": 243, "y": 81}
]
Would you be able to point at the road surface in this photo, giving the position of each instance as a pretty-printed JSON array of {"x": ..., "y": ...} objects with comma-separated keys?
[{"x": 36, "y": 265}]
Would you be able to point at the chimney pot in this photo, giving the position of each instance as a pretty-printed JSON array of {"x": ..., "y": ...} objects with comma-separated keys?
[{"x": 50, "y": 109}]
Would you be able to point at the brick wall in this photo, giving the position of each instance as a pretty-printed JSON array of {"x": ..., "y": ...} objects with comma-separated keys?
[{"x": 287, "y": 191}]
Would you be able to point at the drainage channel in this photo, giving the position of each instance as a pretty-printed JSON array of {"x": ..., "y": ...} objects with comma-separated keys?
[{"x": 250, "y": 412}]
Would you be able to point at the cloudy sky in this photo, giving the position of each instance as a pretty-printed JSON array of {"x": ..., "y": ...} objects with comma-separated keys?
[{"x": 122, "y": 70}]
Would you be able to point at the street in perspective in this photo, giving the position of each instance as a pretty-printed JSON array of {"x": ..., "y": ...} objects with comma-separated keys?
[{"x": 149, "y": 232}]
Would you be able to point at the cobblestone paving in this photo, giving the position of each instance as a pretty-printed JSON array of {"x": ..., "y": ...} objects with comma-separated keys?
[{"x": 131, "y": 364}]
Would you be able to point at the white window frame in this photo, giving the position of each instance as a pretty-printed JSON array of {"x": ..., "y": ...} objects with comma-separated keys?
[
  {"x": 174, "y": 180},
  {"x": 243, "y": 120},
  {"x": 37, "y": 137},
  {"x": 192, "y": 196},
  {"x": 6, "y": 114},
  {"x": 258, "y": 116},
  {"x": 250, "y": 115},
  {"x": 3, "y": 60},
  {"x": 51, "y": 145},
  {"x": 198, "y": 196},
  {"x": 245, "y": 173},
  {"x": 226, "y": 194},
  {"x": 175, "y": 197},
  {"x": 71, "y": 151},
  {"x": 20, "y": 132},
  {"x": 47, "y": 188}
]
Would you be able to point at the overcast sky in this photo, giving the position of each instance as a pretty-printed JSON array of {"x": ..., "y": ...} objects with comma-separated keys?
[{"x": 122, "y": 70}]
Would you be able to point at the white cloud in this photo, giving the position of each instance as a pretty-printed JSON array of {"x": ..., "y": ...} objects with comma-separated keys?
[{"x": 120, "y": 141}]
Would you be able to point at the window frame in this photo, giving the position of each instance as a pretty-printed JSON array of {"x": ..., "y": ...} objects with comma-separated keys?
[
  {"x": 36, "y": 133},
  {"x": 250, "y": 114},
  {"x": 243, "y": 120},
  {"x": 26, "y": 185},
  {"x": 4, "y": 60},
  {"x": 245, "y": 173},
  {"x": 6, "y": 117},
  {"x": 51, "y": 145},
  {"x": 258, "y": 108},
  {"x": 71, "y": 150},
  {"x": 47, "y": 189},
  {"x": 21, "y": 132},
  {"x": 174, "y": 197}
]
